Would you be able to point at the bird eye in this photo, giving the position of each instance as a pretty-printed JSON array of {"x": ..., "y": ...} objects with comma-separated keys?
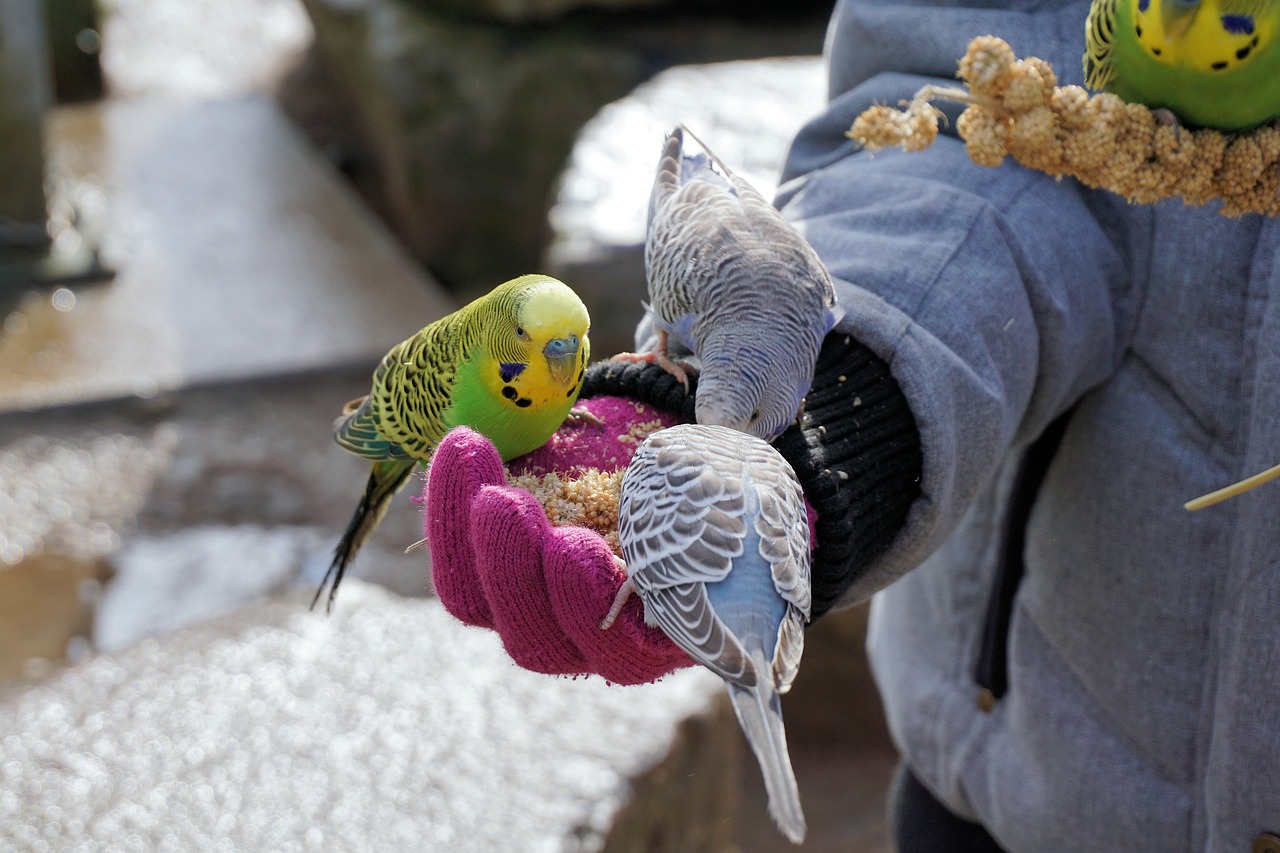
[
  {"x": 522, "y": 333},
  {"x": 755, "y": 416}
]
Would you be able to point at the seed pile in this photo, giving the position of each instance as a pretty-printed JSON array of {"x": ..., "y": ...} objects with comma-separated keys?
[
  {"x": 577, "y": 475},
  {"x": 586, "y": 499}
]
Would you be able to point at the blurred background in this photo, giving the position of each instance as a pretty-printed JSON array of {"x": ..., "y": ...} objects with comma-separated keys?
[{"x": 215, "y": 217}]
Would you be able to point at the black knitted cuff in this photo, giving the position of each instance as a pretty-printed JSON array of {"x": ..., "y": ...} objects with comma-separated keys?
[
  {"x": 641, "y": 381},
  {"x": 857, "y": 455},
  {"x": 856, "y": 452}
]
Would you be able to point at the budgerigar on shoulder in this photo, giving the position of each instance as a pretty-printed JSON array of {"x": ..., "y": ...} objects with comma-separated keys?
[{"x": 1212, "y": 63}]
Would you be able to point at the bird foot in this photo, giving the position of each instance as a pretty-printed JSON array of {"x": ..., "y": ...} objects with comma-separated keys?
[
  {"x": 679, "y": 369},
  {"x": 624, "y": 592},
  {"x": 1275, "y": 125},
  {"x": 1168, "y": 118}
]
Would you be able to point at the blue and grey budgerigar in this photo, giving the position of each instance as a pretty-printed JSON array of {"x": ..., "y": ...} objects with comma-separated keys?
[
  {"x": 715, "y": 537},
  {"x": 736, "y": 285}
]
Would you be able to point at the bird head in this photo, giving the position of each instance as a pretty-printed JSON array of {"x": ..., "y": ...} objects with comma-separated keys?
[
  {"x": 547, "y": 323},
  {"x": 753, "y": 389}
]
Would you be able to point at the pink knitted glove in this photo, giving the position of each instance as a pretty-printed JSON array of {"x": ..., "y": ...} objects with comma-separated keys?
[{"x": 498, "y": 563}]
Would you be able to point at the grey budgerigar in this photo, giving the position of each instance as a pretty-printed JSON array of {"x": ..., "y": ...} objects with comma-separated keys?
[
  {"x": 715, "y": 537},
  {"x": 735, "y": 285}
]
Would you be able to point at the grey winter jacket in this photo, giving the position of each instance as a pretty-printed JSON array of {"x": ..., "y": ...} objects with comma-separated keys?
[{"x": 1143, "y": 712}]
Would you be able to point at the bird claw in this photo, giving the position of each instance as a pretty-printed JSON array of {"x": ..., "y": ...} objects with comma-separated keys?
[
  {"x": 650, "y": 357},
  {"x": 1168, "y": 118},
  {"x": 679, "y": 369},
  {"x": 624, "y": 592},
  {"x": 1275, "y": 125},
  {"x": 658, "y": 355}
]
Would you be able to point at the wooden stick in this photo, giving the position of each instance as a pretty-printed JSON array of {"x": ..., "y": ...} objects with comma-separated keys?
[{"x": 1233, "y": 490}]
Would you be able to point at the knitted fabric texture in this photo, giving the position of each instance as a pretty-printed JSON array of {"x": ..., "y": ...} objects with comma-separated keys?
[
  {"x": 498, "y": 563},
  {"x": 856, "y": 452}
]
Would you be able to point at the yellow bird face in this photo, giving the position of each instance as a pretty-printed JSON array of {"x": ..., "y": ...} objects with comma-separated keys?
[
  {"x": 1199, "y": 34},
  {"x": 539, "y": 346}
]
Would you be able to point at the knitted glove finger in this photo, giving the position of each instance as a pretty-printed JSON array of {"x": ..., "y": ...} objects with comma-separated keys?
[
  {"x": 499, "y": 564},
  {"x": 582, "y": 578},
  {"x": 463, "y": 463},
  {"x": 509, "y": 532}
]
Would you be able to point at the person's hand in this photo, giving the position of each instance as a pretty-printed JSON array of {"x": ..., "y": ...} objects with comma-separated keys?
[{"x": 498, "y": 563}]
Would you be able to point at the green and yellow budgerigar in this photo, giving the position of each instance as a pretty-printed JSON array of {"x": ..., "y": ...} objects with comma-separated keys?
[
  {"x": 1212, "y": 63},
  {"x": 509, "y": 365}
]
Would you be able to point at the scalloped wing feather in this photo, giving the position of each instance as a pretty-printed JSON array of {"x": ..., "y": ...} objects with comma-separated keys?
[{"x": 683, "y": 524}]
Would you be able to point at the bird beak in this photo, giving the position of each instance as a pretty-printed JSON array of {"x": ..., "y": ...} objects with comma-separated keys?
[
  {"x": 562, "y": 358},
  {"x": 1177, "y": 18}
]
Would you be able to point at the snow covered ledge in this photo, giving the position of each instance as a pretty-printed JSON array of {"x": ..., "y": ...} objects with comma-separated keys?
[{"x": 386, "y": 726}]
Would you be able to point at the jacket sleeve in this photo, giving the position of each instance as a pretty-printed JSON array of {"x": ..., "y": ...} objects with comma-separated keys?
[{"x": 996, "y": 296}]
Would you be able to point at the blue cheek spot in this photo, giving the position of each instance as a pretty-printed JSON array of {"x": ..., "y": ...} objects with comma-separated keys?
[
  {"x": 1143, "y": 5},
  {"x": 511, "y": 369},
  {"x": 1238, "y": 25}
]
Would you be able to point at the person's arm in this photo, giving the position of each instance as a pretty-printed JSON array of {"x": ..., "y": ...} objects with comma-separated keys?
[
  {"x": 980, "y": 303},
  {"x": 995, "y": 296}
]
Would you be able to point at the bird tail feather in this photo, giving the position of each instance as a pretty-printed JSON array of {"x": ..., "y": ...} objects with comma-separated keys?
[
  {"x": 759, "y": 711},
  {"x": 385, "y": 479}
]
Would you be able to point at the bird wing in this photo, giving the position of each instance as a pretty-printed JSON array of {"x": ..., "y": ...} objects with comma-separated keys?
[
  {"x": 1099, "y": 34},
  {"x": 666, "y": 183},
  {"x": 711, "y": 170},
  {"x": 782, "y": 526},
  {"x": 693, "y": 499},
  {"x": 712, "y": 240},
  {"x": 681, "y": 523},
  {"x": 403, "y": 417},
  {"x": 672, "y": 292},
  {"x": 703, "y": 223},
  {"x": 356, "y": 430}
]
